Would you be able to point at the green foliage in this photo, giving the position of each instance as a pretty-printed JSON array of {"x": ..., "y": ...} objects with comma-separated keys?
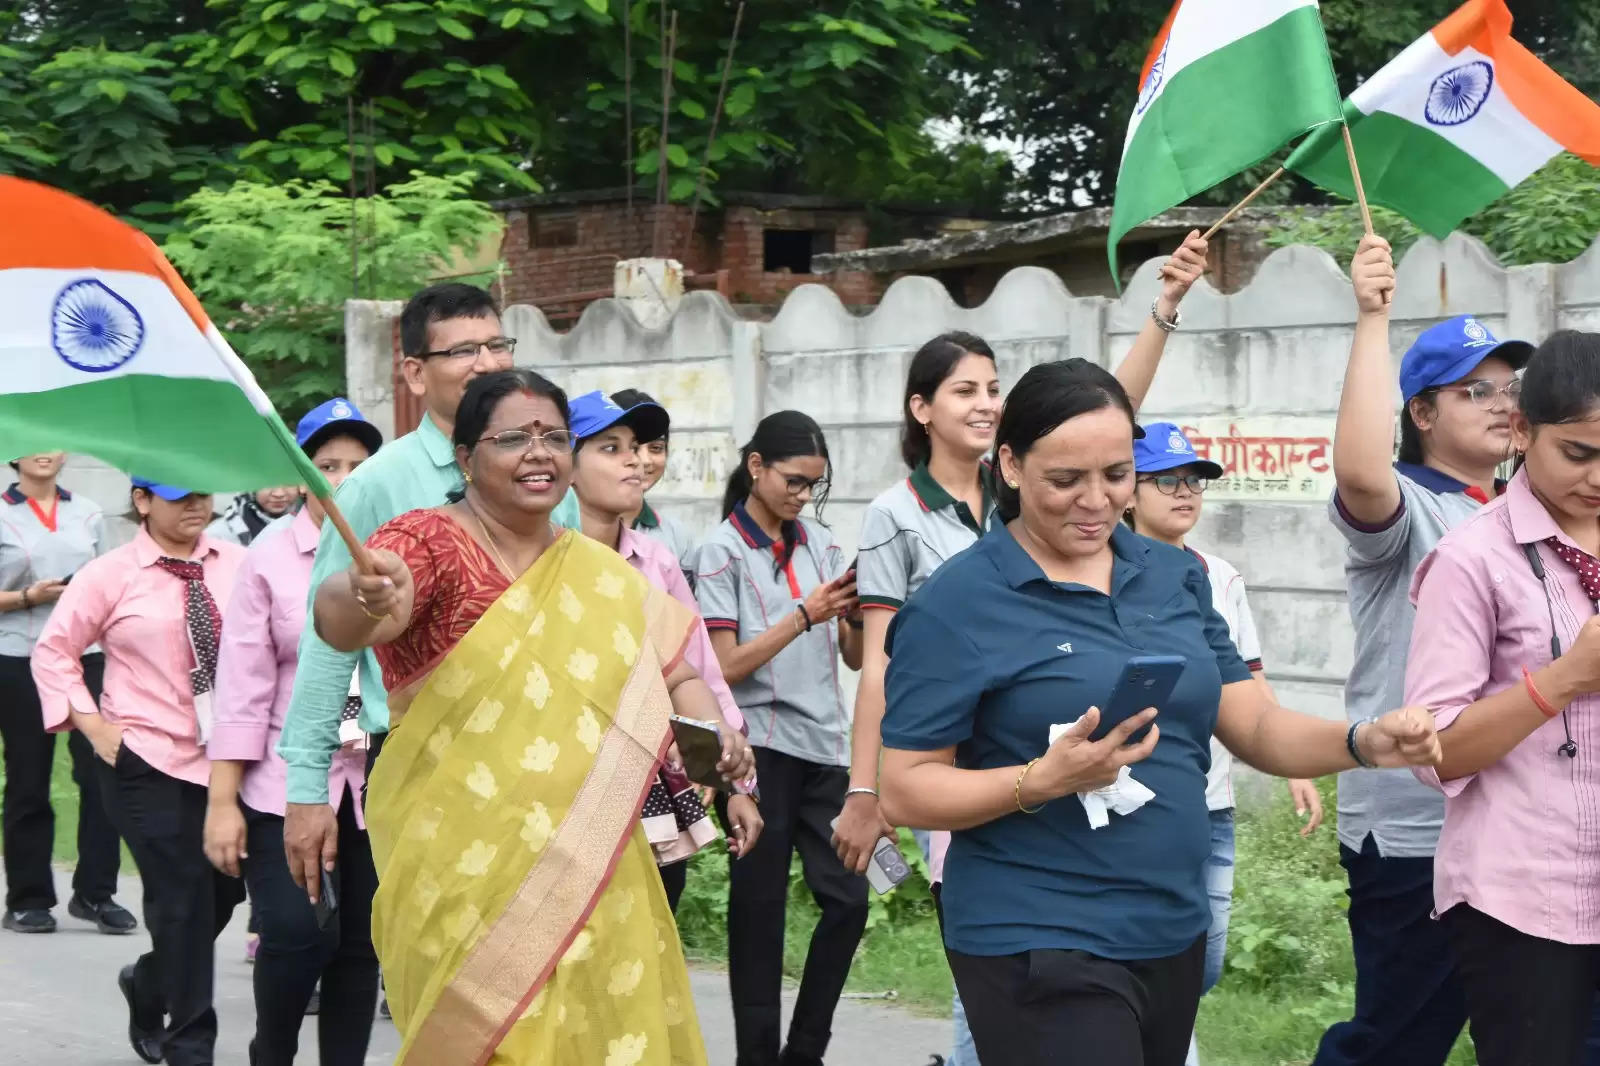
[
  {"x": 272, "y": 264},
  {"x": 143, "y": 103},
  {"x": 1552, "y": 217}
]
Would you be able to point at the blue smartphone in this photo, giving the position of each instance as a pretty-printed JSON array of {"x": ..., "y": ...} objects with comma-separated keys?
[{"x": 1146, "y": 681}]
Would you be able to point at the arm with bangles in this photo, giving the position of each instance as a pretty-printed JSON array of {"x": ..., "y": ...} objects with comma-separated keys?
[
  {"x": 693, "y": 698},
  {"x": 826, "y": 602},
  {"x": 1137, "y": 370}
]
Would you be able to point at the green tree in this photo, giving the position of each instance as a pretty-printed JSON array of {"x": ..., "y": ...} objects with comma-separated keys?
[
  {"x": 1552, "y": 217},
  {"x": 272, "y": 263},
  {"x": 164, "y": 97},
  {"x": 1062, "y": 77}
]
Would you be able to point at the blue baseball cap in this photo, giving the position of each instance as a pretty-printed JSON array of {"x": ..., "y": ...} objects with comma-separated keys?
[
  {"x": 594, "y": 412},
  {"x": 170, "y": 493},
  {"x": 334, "y": 417},
  {"x": 1164, "y": 447},
  {"x": 1446, "y": 353}
]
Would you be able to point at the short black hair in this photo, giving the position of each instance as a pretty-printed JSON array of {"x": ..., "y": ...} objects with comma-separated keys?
[
  {"x": 1562, "y": 382},
  {"x": 1045, "y": 397},
  {"x": 934, "y": 361},
  {"x": 436, "y": 303}
]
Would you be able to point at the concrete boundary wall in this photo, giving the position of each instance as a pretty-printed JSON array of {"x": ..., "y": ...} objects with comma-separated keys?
[{"x": 1256, "y": 370}]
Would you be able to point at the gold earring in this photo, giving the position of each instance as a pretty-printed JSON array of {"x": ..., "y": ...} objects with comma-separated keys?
[
  {"x": 467, "y": 474},
  {"x": 1013, "y": 484}
]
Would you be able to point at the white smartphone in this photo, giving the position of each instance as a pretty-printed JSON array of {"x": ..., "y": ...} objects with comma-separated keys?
[{"x": 887, "y": 868}]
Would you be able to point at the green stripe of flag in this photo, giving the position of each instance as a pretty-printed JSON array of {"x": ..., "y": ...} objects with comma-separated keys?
[{"x": 149, "y": 425}]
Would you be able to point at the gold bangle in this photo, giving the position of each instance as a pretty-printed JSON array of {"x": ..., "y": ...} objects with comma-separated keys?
[
  {"x": 1020, "y": 776},
  {"x": 361, "y": 603}
]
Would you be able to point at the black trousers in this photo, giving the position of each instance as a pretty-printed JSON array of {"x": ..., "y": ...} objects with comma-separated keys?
[
  {"x": 799, "y": 800},
  {"x": 1530, "y": 1000},
  {"x": 1071, "y": 1008},
  {"x": 295, "y": 953},
  {"x": 674, "y": 878},
  {"x": 1409, "y": 1005},
  {"x": 29, "y": 821},
  {"x": 186, "y": 901}
]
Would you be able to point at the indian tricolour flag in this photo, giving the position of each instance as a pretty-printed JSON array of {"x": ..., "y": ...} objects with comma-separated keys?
[
  {"x": 105, "y": 351},
  {"x": 1454, "y": 121},
  {"x": 1227, "y": 83}
]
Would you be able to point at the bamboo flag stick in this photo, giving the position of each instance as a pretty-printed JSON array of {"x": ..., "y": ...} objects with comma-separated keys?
[
  {"x": 358, "y": 551},
  {"x": 1355, "y": 175},
  {"x": 1361, "y": 192},
  {"x": 1242, "y": 204}
]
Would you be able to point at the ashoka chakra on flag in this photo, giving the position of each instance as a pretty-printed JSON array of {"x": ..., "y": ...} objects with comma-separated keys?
[{"x": 92, "y": 328}]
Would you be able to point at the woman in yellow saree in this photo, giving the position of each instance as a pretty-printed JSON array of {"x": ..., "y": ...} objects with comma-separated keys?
[{"x": 519, "y": 916}]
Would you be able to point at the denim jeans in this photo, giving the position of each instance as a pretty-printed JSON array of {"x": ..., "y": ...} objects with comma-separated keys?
[{"x": 1219, "y": 886}]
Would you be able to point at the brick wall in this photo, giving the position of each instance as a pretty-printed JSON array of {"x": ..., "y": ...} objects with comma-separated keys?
[{"x": 553, "y": 251}]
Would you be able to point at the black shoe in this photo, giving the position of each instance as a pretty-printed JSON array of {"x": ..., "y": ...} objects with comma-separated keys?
[
  {"x": 791, "y": 1057},
  {"x": 34, "y": 920},
  {"x": 109, "y": 916},
  {"x": 383, "y": 1008},
  {"x": 314, "y": 1004},
  {"x": 146, "y": 1022}
]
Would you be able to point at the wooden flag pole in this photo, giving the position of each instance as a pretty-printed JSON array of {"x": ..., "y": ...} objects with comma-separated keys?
[
  {"x": 1355, "y": 175},
  {"x": 358, "y": 550},
  {"x": 1361, "y": 192},
  {"x": 1242, "y": 204}
]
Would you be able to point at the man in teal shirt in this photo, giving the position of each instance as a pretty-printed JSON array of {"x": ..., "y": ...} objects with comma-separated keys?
[{"x": 450, "y": 334}]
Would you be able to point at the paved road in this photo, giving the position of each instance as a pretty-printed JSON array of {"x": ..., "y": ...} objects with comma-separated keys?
[{"x": 59, "y": 1005}]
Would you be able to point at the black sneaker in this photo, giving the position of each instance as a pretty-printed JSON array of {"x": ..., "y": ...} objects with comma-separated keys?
[
  {"x": 34, "y": 920},
  {"x": 109, "y": 916},
  {"x": 146, "y": 1021}
]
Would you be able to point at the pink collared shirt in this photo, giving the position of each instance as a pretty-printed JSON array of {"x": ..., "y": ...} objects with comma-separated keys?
[
  {"x": 255, "y": 668},
  {"x": 661, "y": 568},
  {"x": 1521, "y": 842},
  {"x": 135, "y": 611}
]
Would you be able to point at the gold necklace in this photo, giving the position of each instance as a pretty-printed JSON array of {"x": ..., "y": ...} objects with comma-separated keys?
[{"x": 493, "y": 545}]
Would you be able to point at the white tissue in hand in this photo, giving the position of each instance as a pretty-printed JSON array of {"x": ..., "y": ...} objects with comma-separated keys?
[{"x": 1124, "y": 795}]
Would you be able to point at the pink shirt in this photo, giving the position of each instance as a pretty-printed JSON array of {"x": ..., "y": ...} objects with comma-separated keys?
[
  {"x": 661, "y": 568},
  {"x": 135, "y": 611},
  {"x": 255, "y": 668},
  {"x": 1521, "y": 842}
]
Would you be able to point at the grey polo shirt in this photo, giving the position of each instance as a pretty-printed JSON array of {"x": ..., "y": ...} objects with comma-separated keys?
[
  {"x": 659, "y": 527},
  {"x": 793, "y": 703},
  {"x": 909, "y": 532},
  {"x": 1401, "y": 814},
  {"x": 30, "y": 551}
]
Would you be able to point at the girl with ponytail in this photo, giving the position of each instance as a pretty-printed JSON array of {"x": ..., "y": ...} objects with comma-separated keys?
[{"x": 782, "y": 611}]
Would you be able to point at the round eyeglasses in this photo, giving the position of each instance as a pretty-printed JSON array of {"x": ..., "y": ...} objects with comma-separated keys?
[
  {"x": 1484, "y": 393},
  {"x": 521, "y": 442}
]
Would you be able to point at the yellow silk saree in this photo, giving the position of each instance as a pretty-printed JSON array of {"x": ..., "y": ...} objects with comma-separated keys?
[{"x": 520, "y": 918}]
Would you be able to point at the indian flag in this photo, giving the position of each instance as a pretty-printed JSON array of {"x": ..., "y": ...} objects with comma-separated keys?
[
  {"x": 105, "y": 351},
  {"x": 1454, "y": 121},
  {"x": 1227, "y": 83}
]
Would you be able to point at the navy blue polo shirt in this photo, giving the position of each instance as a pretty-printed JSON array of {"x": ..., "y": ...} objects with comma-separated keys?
[{"x": 990, "y": 653}]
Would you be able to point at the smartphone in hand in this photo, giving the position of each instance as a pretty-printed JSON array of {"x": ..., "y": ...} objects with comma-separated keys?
[
  {"x": 1146, "y": 681},
  {"x": 700, "y": 746},
  {"x": 327, "y": 904}
]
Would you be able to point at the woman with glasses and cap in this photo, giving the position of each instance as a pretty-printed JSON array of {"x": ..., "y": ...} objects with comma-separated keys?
[
  {"x": 608, "y": 475},
  {"x": 1170, "y": 481},
  {"x": 244, "y": 817},
  {"x": 782, "y": 609},
  {"x": 46, "y": 535},
  {"x": 155, "y": 607},
  {"x": 1458, "y": 387}
]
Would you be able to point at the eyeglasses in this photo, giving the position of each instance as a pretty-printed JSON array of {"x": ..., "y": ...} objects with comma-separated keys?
[
  {"x": 469, "y": 349},
  {"x": 521, "y": 442},
  {"x": 1484, "y": 393},
  {"x": 1168, "y": 483},
  {"x": 797, "y": 485}
]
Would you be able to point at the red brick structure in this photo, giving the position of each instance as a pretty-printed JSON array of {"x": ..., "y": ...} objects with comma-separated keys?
[{"x": 559, "y": 250}]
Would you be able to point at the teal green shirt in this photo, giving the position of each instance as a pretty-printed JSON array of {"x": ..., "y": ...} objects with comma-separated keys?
[{"x": 417, "y": 471}]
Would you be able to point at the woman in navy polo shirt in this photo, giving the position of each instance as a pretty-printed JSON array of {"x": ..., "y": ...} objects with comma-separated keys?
[{"x": 1088, "y": 942}]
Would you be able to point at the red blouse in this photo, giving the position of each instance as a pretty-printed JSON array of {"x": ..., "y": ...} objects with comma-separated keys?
[{"x": 455, "y": 582}]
